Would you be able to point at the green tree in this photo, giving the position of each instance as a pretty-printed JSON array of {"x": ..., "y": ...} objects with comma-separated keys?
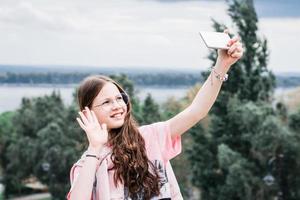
[
  {"x": 294, "y": 121},
  {"x": 6, "y": 132},
  {"x": 245, "y": 132},
  {"x": 170, "y": 108},
  {"x": 249, "y": 78},
  {"x": 222, "y": 170},
  {"x": 150, "y": 111},
  {"x": 47, "y": 143}
]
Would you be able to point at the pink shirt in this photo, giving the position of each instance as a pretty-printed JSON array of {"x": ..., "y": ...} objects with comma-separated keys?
[{"x": 160, "y": 149}]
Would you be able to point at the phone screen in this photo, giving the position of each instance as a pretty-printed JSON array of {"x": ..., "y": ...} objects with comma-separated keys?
[{"x": 215, "y": 40}]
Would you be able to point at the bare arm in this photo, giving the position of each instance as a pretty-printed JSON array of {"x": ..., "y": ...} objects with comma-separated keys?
[
  {"x": 83, "y": 186},
  {"x": 97, "y": 135},
  {"x": 208, "y": 93}
]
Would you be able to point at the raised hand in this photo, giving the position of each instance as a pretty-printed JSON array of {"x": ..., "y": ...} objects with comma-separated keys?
[
  {"x": 233, "y": 54},
  {"x": 97, "y": 134}
]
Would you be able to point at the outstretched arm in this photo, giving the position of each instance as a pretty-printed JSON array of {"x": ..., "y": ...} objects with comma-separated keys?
[{"x": 209, "y": 91}]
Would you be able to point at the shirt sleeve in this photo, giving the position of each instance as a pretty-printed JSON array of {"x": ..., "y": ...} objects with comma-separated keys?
[
  {"x": 169, "y": 147},
  {"x": 74, "y": 173}
]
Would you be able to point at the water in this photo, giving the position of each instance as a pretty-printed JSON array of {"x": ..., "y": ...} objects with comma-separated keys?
[
  {"x": 11, "y": 95},
  {"x": 161, "y": 94}
]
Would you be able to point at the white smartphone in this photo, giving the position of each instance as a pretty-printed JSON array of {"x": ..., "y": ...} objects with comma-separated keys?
[{"x": 215, "y": 40}]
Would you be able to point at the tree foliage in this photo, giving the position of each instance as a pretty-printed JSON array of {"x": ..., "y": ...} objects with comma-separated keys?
[
  {"x": 247, "y": 138},
  {"x": 150, "y": 111},
  {"x": 47, "y": 142}
]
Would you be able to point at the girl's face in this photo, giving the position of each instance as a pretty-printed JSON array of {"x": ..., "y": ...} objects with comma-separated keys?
[{"x": 110, "y": 107}]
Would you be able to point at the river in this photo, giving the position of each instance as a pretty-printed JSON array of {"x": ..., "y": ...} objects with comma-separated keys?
[{"x": 11, "y": 95}]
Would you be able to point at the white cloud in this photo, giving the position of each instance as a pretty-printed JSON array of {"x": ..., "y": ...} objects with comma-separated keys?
[
  {"x": 27, "y": 16},
  {"x": 283, "y": 37},
  {"x": 120, "y": 33}
]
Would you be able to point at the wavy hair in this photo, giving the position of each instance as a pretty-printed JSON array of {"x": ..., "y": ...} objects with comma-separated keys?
[{"x": 131, "y": 164}]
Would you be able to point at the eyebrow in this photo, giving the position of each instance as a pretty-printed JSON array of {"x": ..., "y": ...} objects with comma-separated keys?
[{"x": 108, "y": 98}]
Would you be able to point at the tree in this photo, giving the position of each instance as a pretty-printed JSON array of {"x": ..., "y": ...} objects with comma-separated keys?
[
  {"x": 224, "y": 171},
  {"x": 6, "y": 132},
  {"x": 249, "y": 77},
  {"x": 150, "y": 111},
  {"x": 294, "y": 121},
  {"x": 245, "y": 132},
  {"x": 47, "y": 143}
]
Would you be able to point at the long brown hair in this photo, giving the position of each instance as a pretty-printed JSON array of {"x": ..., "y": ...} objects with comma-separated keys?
[{"x": 129, "y": 156}]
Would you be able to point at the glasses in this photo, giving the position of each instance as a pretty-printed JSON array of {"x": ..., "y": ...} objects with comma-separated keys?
[{"x": 122, "y": 100}]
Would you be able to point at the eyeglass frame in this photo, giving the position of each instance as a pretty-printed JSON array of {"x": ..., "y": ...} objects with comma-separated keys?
[{"x": 125, "y": 100}]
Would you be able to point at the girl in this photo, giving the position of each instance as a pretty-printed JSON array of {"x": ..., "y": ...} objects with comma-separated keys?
[{"x": 124, "y": 161}]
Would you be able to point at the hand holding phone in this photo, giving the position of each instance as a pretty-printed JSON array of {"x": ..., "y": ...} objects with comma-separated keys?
[{"x": 215, "y": 40}]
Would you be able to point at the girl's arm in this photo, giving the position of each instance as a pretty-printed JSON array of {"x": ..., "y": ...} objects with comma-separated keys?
[
  {"x": 97, "y": 135},
  {"x": 83, "y": 186},
  {"x": 208, "y": 93}
]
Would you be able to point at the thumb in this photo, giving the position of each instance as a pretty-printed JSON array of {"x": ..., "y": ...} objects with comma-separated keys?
[{"x": 104, "y": 127}]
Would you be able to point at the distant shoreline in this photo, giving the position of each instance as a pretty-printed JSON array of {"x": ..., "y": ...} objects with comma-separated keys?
[
  {"x": 72, "y": 85},
  {"x": 67, "y": 85},
  {"x": 46, "y": 85},
  {"x": 12, "y": 94}
]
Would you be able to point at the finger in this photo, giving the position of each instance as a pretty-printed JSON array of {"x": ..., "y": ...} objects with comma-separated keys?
[
  {"x": 234, "y": 40},
  {"x": 83, "y": 117},
  {"x": 236, "y": 55},
  {"x": 80, "y": 123},
  {"x": 104, "y": 127},
  {"x": 88, "y": 114},
  {"x": 239, "y": 48},
  {"x": 227, "y": 32},
  {"x": 232, "y": 49},
  {"x": 94, "y": 116}
]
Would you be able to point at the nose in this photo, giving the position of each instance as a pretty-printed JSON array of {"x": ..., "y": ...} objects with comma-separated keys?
[{"x": 115, "y": 104}]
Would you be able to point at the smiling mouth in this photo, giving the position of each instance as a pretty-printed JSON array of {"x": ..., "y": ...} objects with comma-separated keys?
[{"x": 117, "y": 115}]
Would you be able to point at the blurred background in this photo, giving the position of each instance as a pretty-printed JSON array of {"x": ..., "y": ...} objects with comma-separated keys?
[{"x": 248, "y": 147}]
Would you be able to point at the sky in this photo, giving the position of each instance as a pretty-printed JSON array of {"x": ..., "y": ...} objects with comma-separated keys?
[{"x": 135, "y": 33}]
